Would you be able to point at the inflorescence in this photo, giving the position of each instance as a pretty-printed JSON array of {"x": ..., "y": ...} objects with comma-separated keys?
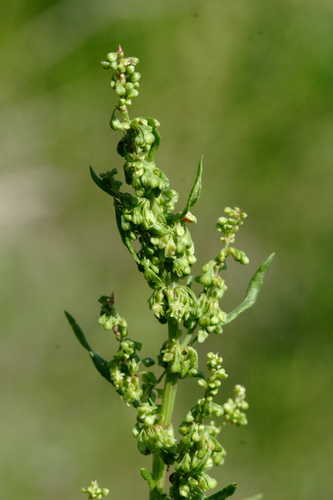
[{"x": 164, "y": 254}]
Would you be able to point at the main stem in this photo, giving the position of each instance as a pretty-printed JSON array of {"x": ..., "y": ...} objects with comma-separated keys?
[{"x": 168, "y": 403}]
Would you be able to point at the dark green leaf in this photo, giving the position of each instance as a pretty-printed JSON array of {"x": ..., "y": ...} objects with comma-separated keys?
[
  {"x": 253, "y": 290},
  {"x": 111, "y": 186},
  {"x": 99, "y": 181},
  {"x": 101, "y": 364},
  {"x": 137, "y": 345},
  {"x": 227, "y": 492},
  {"x": 149, "y": 378},
  {"x": 147, "y": 362},
  {"x": 77, "y": 331}
]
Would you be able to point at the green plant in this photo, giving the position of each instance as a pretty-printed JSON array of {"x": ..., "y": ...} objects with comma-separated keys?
[{"x": 164, "y": 253}]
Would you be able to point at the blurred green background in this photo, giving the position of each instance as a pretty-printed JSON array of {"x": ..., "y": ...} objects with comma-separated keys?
[{"x": 250, "y": 85}]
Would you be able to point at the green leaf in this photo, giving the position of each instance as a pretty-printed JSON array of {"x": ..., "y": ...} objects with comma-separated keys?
[
  {"x": 149, "y": 378},
  {"x": 77, "y": 331},
  {"x": 253, "y": 290},
  {"x": 111, "y": 186},
  {"x": 193, "y": 196},
  {"x": 99, "y": 182},
  {"x": 101, "y": 365},
  {"x": 196, "y": 188},
  {"x": 227, "y": 492},
  {"x": 147, "y": 362}
]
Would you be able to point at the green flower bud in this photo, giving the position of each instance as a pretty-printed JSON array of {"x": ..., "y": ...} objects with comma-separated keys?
[
  {"x": 111, "y": 56},
  {"x": 184, "y": 490},
  {"x": 135, "y": 77},
  {"x": 202, "y": 335},
  {"x": 120, "y": 89},
  {"x": 238, "y": 255},
  {"x": 94, "y": 491},
  {"x": 206, "y": 482}
]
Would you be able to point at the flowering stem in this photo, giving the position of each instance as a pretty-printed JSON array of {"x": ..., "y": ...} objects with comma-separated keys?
[
  {"x": 167, "y": 407},
  {"x": 169, "y": 396},
  {"x": 160, "y": 242}
]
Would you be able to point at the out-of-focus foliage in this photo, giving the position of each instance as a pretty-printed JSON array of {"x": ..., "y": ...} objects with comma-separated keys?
[{"x": 250, "y": 85}]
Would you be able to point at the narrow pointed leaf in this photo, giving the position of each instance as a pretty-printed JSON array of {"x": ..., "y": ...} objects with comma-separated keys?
[
  {"x": 101, "y": 365},
  {"x": 196, "y": 188},
  {"x": 77, "y": 331},
  {"x": 107, "y": 183},
  {"x": 227, "y": 492},
  {"x": 193, "y": 196},
  {"x": 253, "y": 290},
  {"x": 98, "y": 181}
]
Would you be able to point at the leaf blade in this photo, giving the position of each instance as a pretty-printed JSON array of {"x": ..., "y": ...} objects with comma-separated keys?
[
  {"x": 196, "y": 188},
  {"x": 77, "y": 331},
  {"x": 98, "y": 181},
  {"x": 253, "y": 290},
  {"x": 226, "y": 492},
  {"x": 101, "y": 365}
]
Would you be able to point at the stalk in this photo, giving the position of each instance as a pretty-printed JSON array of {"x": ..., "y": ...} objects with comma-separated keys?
[
  {"x": 167, "y": 407},
  {"x": 168, "y": 403}
]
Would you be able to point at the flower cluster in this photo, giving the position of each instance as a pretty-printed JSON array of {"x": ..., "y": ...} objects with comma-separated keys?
[
  {"x": 94, "y": 491},
  {"x": 151, "y": 436},
  {"x": 125, "y": 81},
  {"x": 211, "y": 316},
  {"x": 230, "y": 224},
  {"x": 166, "y": 251},
  {"x": 125, "y": 365},
  {"x": 178, "y": 359},
  {"x": 174, "y": 302},
  {"x": 199, "y": 449},
  {"x": 160, "y": 242},
  {"x": 234, "y": 408}
]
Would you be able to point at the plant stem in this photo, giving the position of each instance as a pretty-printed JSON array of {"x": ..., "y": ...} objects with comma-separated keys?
[{"x": 167, "y": 407}]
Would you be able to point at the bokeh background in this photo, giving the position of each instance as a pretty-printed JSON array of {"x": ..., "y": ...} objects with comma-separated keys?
[{"x": 250, "y": 85}]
